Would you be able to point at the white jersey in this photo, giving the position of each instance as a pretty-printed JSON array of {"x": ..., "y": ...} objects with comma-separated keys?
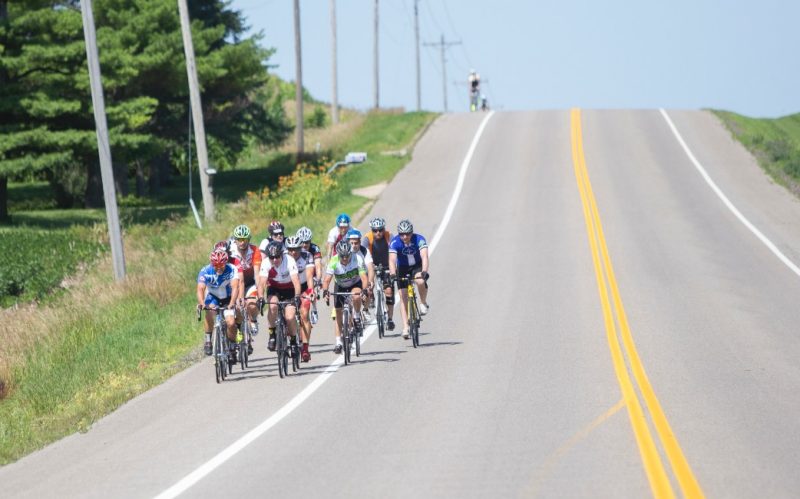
[
  {"x": 366, "y": 255},
  {"x": 347, "y": 275},
  {"x": 333, "y": 235},
  {"x": 304, "y": 260},
  {"x": 280, "y": 277}
]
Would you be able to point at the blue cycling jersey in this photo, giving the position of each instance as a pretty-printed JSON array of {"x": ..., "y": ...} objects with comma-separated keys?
[
  {"x": 218, "y": 285},
  {"x": 408, "y": 255}
]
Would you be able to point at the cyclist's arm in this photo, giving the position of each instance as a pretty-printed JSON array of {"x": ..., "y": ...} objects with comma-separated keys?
[
  {"x": 310, "y": 277},
  {"x": 392, "y": 263},
  {"x": 326, "y": 282},
  {"x": 201, "y": 294},
  {"x": 423, "y": 253},
  {"x": 236, "y": 287},
  {"x": 296, "y": 282}
]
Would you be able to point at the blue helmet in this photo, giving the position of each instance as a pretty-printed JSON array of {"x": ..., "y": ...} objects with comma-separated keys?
[
  {"x": 343, "y": 220},
  {"x": 353, "y": 234}
]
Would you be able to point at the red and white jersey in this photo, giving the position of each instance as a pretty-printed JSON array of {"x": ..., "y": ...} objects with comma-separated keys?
[
  {"x": 279, "y": 277},
  {"x": 246, "y": 262}
]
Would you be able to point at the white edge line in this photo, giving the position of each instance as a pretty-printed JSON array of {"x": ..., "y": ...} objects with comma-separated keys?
[
  {"x": 769, "y": 244},
  {"x": 210, "y": 465},
  {"x": 459, "y": 184}
]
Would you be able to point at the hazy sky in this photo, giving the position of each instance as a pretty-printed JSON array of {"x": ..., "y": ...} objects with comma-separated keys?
[{"x": 551, "y": 54}]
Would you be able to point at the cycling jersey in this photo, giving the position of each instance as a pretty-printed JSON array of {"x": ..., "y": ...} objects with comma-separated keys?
[
  {"x": 280, "y": 277},
  {"x": 247, "y": 263},
  {"x": 408, "y": 256},
  {"x": 304, "y": 260},
  {"x": 365, "y": 255},
  {"x": 347, "y": 275},
  {"x": 314, "y": 250},
  {"x": 379, "y": 248},
  {"x": 218, "y": 285}
]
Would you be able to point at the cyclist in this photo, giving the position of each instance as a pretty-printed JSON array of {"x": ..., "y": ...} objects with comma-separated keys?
[
  {"x": 218, "y": 286},
  {"x": 408, "y": 257},
  {"x": 280, "y": 282},
  {"x": 247, "y": 258},
  {"x": 354, "y": 238},
  {"x": 275, "y": 231},
  {"x": 305, "y": 235},
  {"x": 377, "y": 242},
  {"x": 347, "y": 270},
  {"x": 305, "y": 269},
  {"x": 474, "y": 82},
  {"x": 336, "y": 234}
]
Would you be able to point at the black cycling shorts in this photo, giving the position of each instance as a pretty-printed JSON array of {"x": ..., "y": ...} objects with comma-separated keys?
[
  {"x": 282, "y": 294},
  {"x": 339, "y": 302}
]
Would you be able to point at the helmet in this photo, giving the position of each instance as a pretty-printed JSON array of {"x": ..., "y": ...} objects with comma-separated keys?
[
  {"x": 405, "y": 227},
  {"x": 274, "y": 248},
  {"x": 275, "y": 227},
  {"x": 343, "y": 220},
  {"x": 305, "y": 235},
  {"x": 343, "y": 249},
  {"x": 223, "y": 246},
  {"x": 354, "y": 234},
  {"x": 293, "y": 242},
  {"x": 377, "y": 223},
  {"x": 241, "y": 232},
  {"x": 218, "y": 258}
]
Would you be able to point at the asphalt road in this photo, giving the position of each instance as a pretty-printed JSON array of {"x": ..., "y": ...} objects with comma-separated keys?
[{"x": 516, "y": 389}]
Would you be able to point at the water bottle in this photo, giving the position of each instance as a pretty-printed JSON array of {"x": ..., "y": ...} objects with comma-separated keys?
[{"x": 314, "y": 317}]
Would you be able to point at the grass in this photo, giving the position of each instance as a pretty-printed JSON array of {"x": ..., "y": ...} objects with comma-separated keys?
[
  {"x": 68, "y": 362},
  {"x": 774, "y": 142}
]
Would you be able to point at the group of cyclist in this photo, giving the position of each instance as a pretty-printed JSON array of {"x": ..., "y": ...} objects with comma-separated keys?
[{"x": 241, "y": 278}]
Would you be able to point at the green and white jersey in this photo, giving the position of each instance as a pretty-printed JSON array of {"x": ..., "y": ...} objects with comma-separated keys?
[{"x": 347, "y": 275}]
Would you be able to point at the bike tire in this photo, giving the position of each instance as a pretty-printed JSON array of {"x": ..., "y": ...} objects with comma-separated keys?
[
  {"x": 346, "y": 335},
  {"x": 243, "y": 344},
  {"x": 280, "y": 339},
  {"x": 413, "y": 323},
  {"x": 379, "y": 314},
  {"x": 217, "y": 361}
]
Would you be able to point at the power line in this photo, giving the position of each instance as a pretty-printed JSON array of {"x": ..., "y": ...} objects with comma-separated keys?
[{"x": 443, "y": 45}]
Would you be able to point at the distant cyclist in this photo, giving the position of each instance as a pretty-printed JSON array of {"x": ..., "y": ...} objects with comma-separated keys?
[
  {"x": 305, "y": 269},
  {"x": 336, "y": 234},
  {"x": 474, "y": 82},
  {"x": 218, "y": 287},
  {"x": 279, "y": 281},
  {"x": 275, "y": 233},
  {"x": 377, "y": 242},
  {"x": 408, "y": 257},
  {"x": 350, "y": 275},
  {"x": 354, "y": 238},
  {"x": 305, "y": 235},
  {"x": 247, "y": 258}
]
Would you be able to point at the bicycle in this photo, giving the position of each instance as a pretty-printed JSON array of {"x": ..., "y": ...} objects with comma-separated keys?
[
  {"x": 220, "y": 344},
  {"x": 414, "y": 317},
  {"x": 381, "y": 312},
  {"x": 283, "y": 348},
  {"x": 350, "y": 336},
  {"x": 246, "y": 338}
]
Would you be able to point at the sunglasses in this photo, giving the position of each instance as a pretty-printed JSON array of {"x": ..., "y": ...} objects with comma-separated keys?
[
  {"x": 377, "y": 230},
  {"x": 275, "y": 257},
  {"x": 405, "y": 234},
  {"x": 242, "y": 240}
]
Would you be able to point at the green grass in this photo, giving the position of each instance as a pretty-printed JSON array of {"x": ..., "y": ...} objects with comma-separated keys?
[
  {"x": 105, "y": 343},
  {"x": 774, "y": 142}
]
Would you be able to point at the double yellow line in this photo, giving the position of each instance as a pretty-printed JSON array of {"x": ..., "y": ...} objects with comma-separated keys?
[{"x": 607, "y": 285}]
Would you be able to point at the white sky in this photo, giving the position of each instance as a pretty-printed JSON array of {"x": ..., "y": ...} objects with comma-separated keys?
[{"x": 550, "y": 54}]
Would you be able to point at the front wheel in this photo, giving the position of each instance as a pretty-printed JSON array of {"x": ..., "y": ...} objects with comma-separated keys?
[
  {"x": 346, "y": 331},
  {"x": 379, "y": 315},
  {"x": 280, "y": 349}
]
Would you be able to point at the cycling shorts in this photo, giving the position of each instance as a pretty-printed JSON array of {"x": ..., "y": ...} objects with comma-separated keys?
[
  {"x": 282, "y": 294},
  {"x": 213, "y": 300},
  {"x": 339, "y": 302},
  {"x": 406, "y": 272}
]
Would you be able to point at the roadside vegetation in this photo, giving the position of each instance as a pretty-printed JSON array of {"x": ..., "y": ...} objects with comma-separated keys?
[
  {"x": 87, "y": 344},
  {"x": 774, "y": 142}
]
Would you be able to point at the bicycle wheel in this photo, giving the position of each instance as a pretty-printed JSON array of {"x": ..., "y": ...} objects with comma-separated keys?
[
  {"x": 357, "y": 336},
  {"x": 413, "y": 321},
  {"x": 346, "y": 334},
  {"x": 379, "y": 306},
  {"x": 280, "y": 338},
  {"x": 217, "y": 360},
  {"x": 243, "y": 344}
]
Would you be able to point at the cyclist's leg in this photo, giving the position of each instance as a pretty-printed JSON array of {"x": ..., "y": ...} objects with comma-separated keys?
[
  {"x": 230, "y": 320},
  {"x": 388, "y": 291},
  {"x": 272, "y": 298},
  {"x": 422, "y": 289},
  {"x": 402, "y": 283}
]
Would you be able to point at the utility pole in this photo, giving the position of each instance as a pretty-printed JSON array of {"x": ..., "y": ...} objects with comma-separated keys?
[
  {"x": 107, "y": 174},
  {"x": 416, "y": 46},
  {"x": 375, "y": 79},
  {"x": 444, "y": 45},
  {"x": 335, "y": 99},
  {"x": 298, "y": 93},
  {"x": 197, "y": 112}
]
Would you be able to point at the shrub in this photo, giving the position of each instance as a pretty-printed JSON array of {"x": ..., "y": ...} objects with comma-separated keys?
[
  {"x": 300, "y": 193},
  {"x": 317, "y": 119}
]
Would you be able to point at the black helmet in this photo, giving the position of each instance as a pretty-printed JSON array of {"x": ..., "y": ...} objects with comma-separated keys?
[
  {"x": 274, "y": 248},
  {"x": 343, "y": 248}
]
